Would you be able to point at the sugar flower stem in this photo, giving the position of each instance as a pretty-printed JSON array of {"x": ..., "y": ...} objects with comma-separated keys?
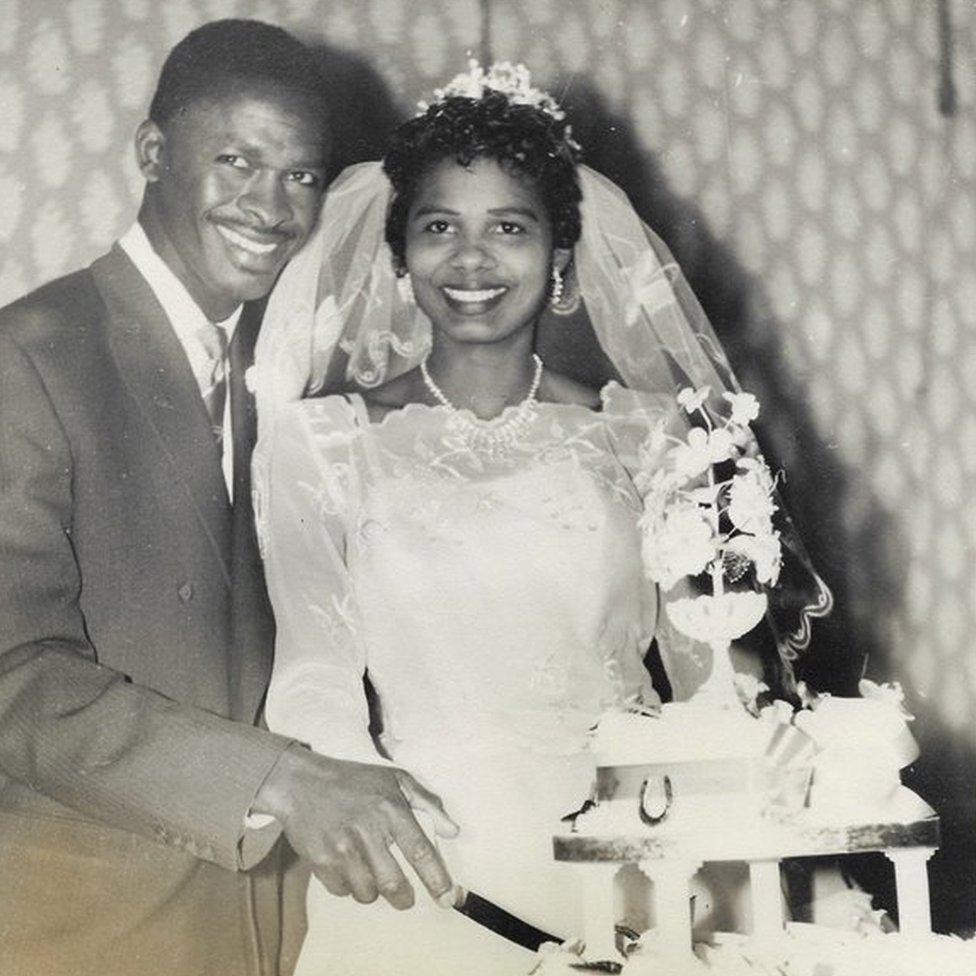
[{"x": 715, "y": 571}]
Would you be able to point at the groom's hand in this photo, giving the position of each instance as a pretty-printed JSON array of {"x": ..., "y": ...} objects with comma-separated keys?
[{"x": 343, "y": 817}]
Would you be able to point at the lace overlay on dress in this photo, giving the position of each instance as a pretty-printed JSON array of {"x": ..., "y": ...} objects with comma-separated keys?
[
  {"x": 498, "y": 605},
  {"x": 346, "y": 499}
]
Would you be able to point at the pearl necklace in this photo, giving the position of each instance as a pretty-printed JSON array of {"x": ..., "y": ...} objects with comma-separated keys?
[{"x": 495, "y": 437}]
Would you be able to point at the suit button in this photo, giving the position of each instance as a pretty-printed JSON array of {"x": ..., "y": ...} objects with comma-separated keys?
[{"x": 185, "y": 591}]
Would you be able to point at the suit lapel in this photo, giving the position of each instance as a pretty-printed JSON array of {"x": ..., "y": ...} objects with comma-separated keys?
[{"x": 157, "y": 374}]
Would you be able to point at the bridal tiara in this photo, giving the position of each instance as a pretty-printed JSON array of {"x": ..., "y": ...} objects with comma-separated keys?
[{"x": 511, "y": 80}]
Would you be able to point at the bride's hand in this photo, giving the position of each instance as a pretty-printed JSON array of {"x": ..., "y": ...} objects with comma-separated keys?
[{"x": 343, "y": 817}]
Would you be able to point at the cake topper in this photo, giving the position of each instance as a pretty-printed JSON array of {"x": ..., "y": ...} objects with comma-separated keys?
[{"x": 700, "y": 520}]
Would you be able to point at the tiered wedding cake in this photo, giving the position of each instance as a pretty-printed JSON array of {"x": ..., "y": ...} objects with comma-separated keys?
[
  {"x": 719, "y": 779},
  {"x": 699, "y": 783}
]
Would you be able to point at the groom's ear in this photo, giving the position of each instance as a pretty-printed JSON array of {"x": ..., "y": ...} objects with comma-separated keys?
[{"x": 150, "y": 150}]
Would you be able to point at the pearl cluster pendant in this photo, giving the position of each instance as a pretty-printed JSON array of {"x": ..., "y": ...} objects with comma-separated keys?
[{"x": 496, "y": 437}]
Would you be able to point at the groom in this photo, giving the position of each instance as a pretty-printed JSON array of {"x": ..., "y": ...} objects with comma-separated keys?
[{"x": 141, "y": 805}]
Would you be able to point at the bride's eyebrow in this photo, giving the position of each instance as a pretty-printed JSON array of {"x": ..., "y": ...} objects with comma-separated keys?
[
  {"x": 429, "y": 209},
  {"x": 513, "y": 211},
  {"x": 516, "y": 211}
]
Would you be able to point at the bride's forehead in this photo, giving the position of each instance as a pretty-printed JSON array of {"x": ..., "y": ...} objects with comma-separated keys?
[{"x": 482, "y": 183}]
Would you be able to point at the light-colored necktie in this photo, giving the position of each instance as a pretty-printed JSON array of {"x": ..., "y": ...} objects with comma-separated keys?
[{"x": 213, "y": 384}]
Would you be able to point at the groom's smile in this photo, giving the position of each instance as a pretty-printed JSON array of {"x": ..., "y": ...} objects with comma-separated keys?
[{"x": 250, "y": 240}]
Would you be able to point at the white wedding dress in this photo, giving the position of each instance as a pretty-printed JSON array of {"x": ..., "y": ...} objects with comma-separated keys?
[{"x": 498, "y": 605}]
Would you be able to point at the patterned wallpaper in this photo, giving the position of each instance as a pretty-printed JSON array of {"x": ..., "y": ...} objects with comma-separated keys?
[{"x": 791, "y": 153}]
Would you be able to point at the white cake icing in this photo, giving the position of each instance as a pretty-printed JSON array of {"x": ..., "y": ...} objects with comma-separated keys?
[
  {"x": 801, "y": 950},
  {"x": 755, "y": 789},
  {"x": 845, "y": 771},
  {"x": 683, "y": 732}
]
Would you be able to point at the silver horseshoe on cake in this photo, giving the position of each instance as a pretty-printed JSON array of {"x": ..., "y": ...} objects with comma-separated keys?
[{"x": 660, "y": 802}]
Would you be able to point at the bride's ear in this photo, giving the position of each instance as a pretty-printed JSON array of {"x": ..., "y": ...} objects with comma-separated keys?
[{"x": 561, "y": 256}]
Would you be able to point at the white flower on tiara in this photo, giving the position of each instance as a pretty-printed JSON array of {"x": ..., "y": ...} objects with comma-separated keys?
[{"x": 511, "y": 80}]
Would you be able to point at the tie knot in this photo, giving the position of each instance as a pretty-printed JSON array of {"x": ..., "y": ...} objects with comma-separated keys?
[{"x": 214, "y": 340}]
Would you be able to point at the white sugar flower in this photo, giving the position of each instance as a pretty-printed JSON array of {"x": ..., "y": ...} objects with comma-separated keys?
[
  {"x": 749, "y": 688},
  {"x": 693, "y": 457},
  {"x": 751, "y": 506},
  {"x": 890, "y": 693},
  {"x": 763, "y": 551},
  {"x": 745, "y": 407},
  {"x": 808, "y": 697},
  {"x": 777, "y": 712},
  {"x": 692, "y": 399},
  {"x": 679, "y": 544},
  {"x": 720, "y": 445}
]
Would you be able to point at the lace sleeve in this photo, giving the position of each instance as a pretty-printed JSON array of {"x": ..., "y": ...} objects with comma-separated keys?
[{"x": 305, "y": 498}]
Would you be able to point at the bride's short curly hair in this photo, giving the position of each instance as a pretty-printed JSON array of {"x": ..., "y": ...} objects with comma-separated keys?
[{"x": 525, "y": 140}]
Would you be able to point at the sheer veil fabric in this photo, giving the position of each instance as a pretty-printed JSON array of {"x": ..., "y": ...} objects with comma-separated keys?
[{"x": 337, "y": 321}]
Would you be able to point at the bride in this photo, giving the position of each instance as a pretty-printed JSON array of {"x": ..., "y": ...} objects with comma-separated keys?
[{"x": 463, "y": 530}]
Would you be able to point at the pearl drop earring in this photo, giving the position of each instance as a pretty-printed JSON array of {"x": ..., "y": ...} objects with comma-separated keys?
[
  {"x": 404, "y": 288},
  {"x": 562, "y": 304},
  {"x": 557, "y": 287}
]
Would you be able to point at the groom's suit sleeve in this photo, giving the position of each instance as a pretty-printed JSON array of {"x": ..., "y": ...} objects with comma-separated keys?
[{"x": 72, "y": 729}]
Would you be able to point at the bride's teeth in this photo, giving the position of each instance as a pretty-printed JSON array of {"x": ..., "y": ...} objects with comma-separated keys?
[
  {"x": 468, "y": 295},
  {"x": 252, "y": 247}
]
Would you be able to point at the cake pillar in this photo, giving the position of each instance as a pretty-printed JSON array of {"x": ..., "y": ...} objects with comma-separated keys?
[
  {"x": 766, "y": 897},
  {"x": 599, "y": 921},
  {"x": 672, "y": 904},
  {"x": 719, "y": 686},
  {"x": 912, "y": 888}
]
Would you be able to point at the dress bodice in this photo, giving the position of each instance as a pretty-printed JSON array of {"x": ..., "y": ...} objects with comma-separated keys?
[
  {"x": 499, "y": 600},
  {"x": 498, "y": 605}
]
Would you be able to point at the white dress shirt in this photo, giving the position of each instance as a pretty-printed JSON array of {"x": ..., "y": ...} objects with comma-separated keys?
[{"x": 187, "y": 320}]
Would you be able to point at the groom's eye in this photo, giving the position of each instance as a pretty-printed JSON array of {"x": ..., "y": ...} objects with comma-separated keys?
[
  {"x": 303, "y": 177},
  {"x": 232, "y": 159}
]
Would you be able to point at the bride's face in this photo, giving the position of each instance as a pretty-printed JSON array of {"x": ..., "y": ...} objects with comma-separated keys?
[{"x": 479, "y": 251}]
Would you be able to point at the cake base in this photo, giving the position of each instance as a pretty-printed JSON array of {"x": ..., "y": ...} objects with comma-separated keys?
[{"x": 800, "y": 950}]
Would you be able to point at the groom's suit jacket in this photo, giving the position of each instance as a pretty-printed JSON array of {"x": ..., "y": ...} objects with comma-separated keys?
[{"x": 135, "y": 648}]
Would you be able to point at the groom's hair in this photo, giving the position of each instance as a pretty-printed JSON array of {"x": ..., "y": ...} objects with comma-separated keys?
[{"x": 225, "y": 56}]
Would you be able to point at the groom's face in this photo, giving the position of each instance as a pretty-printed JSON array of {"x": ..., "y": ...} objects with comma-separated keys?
[{"x": 235, "y": 184}]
